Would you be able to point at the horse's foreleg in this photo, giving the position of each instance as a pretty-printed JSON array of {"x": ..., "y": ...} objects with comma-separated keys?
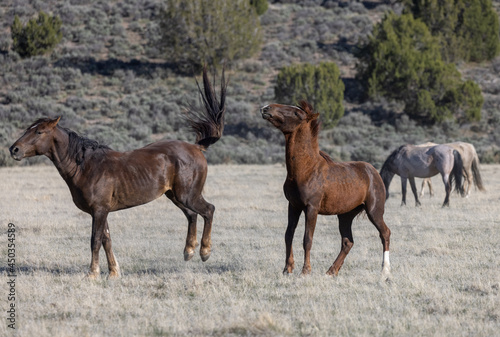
[
  {"x": 414, "y": 190},
  {"x": 403, "y": 191},
  {"x": 293, "y": 219},
  {"x": 98, "y": 225},
  {"x": 113, "y": 267},
  {"x": 311, "y": 217}
]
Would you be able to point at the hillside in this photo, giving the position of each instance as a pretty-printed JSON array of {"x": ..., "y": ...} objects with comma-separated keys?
[{"x": 108, "y": 81}]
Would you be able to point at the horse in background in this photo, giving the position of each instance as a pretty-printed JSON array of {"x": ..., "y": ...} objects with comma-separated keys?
[
  {"x": 102, "y": 180},
  {"x": 315, "y": 184},
  {"x": 410, "y": 161},
  {"x": 471, "y": 167}
]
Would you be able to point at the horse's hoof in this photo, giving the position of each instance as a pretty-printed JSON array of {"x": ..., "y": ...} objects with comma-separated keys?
[
  {"x": 93, "y": 276},
  {"x": 205, "y": 254},
  {"x": 188, "y": 254},
  {"x": 332, "y": 272},
  {"x": 305, "y": 272},
  {"x": 114, "y": 275}
]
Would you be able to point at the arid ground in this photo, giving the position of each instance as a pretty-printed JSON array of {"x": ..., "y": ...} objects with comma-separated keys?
[{"x": 445, "y": 265}]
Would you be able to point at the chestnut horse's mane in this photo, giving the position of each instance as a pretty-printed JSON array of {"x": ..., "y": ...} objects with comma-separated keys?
[{"x": 314, "y": 124}]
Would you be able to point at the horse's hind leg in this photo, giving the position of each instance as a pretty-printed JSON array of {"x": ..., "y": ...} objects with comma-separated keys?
[
  {"x": 426, "y": 181},
  {"x": 447, "y": 188},
  {"x": 206, "y": 210},
  {"x": 375, "y": 213},
  {"x": 345, "y": 223},
  {"x": 192, "y": 217}
]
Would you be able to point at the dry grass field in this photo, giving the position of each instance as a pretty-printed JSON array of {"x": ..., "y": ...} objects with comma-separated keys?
[{"x": 445, "y": 265}]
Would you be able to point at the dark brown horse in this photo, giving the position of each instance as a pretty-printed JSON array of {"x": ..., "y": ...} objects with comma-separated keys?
[
  {"x": 102, "y": 180},
  {"x": 317, "y": 185}
]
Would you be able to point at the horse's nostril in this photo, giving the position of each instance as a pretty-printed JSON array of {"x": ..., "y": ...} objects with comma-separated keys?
[{"x": 14, "y": 150}]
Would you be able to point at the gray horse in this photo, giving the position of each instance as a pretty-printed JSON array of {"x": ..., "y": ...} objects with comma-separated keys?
[
  {"x": 471, "y": 167},
  {"x": 410, "y": 161}
]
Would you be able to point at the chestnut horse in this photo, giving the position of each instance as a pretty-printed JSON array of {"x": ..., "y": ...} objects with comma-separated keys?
[
  {"x": 102, "y": 180},
  {"x": 317, "y": 185}
]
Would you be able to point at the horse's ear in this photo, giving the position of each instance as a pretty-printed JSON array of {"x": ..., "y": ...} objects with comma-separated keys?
[
  {"x": 313, "y": 116},
  {"x": 304, "y": 105},
  {"x": 54, "y": 122}
]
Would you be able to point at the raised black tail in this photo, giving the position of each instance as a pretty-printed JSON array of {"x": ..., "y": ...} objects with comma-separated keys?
[
  {"x": 457, "y": 173},
  {"x": 209, "y": 124}
]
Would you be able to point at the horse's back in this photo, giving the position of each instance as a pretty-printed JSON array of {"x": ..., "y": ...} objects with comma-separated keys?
[{"x": 139, "y": 176}]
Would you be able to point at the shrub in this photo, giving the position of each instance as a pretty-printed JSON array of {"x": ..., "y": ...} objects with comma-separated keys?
[
  {"x": 198, "y": 31},
  {"x": 260, "y": 6},
  {"x": 320, "y": 85},
  {"x": 38, "y": 37},
  {"x": 467, "y": 29},
  {"x": 402, "y": 61}
]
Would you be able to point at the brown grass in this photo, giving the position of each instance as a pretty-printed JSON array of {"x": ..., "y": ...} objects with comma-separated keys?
[{"x": 445, "y": 265}]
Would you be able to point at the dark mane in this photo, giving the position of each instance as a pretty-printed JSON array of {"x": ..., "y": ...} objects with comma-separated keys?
[
  {"x": 81, "y": 148},
  {"x": 387, "y": 166}
]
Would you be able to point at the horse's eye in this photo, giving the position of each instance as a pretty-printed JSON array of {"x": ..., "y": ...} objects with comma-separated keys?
[{"x": 39, "y": 132}]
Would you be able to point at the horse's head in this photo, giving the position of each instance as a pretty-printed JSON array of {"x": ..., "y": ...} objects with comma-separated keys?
[
  {"x": 288, "y": 118},
  {"x": 37, "y": 139}
]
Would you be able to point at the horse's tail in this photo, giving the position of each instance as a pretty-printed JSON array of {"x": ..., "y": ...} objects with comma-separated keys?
[
  {"x": 387, "y": 173},
  {"x": 457, "y": 173},
  {"x": 209, "y": 124},
  {"x": 475, "y": 172}
]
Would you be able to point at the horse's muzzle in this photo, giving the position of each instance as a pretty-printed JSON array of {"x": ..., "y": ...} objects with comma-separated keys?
[
  {"x": 266, "y": 115},
  {"x": 16, "y": 153},
  {"x": 265, "y": 112}
]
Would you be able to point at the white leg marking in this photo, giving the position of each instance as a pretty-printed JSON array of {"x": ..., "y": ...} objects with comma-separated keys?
[{"x": 386, "y": 264}]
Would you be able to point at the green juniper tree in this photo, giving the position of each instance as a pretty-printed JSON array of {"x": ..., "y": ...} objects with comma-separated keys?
[
  {"x": 38, "y": 37},
  {"x": 402, "y": 61},
  {"x": 466, "y": 29},
  {"x": 197, "y": 31}
]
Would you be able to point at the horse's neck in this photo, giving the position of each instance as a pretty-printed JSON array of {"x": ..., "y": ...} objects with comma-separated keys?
[
  {"x": 58, "y": 154},
  {"x": 302, "y": 152}
]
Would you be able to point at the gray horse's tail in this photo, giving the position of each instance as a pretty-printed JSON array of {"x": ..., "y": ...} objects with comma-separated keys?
[
  {"x": 457, "y": 173},
  {"x": 475, "y": 173}
]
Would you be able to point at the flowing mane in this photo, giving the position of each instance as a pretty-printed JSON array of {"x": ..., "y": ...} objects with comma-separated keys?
[{"x": 81, "y": 148}]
